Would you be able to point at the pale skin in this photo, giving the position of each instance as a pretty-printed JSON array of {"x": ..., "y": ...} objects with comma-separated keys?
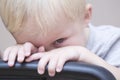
[{"x": 65, "y": 43}]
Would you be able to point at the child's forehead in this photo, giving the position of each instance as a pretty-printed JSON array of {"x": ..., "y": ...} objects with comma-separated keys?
[
  {"x": 35, "y": 27},
  {"x": 51, "y": 11},
  {"x": 45, "y": 11},
  {"x": 34, "y": 33},
  {"x": 50, "y": 15}
]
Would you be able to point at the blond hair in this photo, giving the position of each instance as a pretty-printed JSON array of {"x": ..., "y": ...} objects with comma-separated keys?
[{"x": 47, "y": 12}]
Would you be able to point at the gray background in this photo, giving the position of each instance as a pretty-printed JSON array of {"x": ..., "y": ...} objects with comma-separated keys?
[{"x": 105, "y": 12}]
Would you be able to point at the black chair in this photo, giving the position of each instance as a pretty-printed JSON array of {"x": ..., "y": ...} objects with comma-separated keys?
[{"x": 71, "y": 71}]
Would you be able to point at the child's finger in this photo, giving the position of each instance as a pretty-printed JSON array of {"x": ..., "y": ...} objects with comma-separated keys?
[
  {"x": 42, "y": 64},
  {"x": 6, "y": 54},
  {"x": 34, "y": 56},
  {"x": 52, "y": 66},
  {"x": 41, "y": 49},
  {"x": 12, "y": 56},
  {"x": 21, "y": 55},
  {"x": 29, "y": 48},
  {"x": 60, "y": 64}
]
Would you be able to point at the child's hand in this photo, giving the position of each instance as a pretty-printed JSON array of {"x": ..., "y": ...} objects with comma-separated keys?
[
  {"x": 56, "y": 58},
  {"x": 18, "y": 52}
]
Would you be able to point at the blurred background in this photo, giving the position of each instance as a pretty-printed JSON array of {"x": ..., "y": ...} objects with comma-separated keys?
[{"x": 105, "y": 12}]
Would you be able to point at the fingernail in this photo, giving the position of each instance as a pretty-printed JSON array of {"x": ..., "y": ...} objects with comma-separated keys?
[
  {"x": 27, "y": 54},
  {"x": 10, "y": 64},
  {"x": 52, "y": 74},
  {"x": 41, "y": 72},
  {"x": 20, "y": 60},
  {"x": 27, "y": 60},
  {"x": 59, "y": 69},
  {"x": 4, "y": 59}
]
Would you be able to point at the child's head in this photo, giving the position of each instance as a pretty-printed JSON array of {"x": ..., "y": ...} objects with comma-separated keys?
[{"x": 46, "y": 22}]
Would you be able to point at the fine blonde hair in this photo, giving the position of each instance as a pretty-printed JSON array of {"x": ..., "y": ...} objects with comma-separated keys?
[{"x": 46, "y": 12}]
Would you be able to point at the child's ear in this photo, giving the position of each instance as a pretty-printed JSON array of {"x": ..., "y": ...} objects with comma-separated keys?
[{"x": 88, "y": 13}]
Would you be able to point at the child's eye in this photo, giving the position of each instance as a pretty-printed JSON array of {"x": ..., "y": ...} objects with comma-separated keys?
[{"x": 59, "y": 41}]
